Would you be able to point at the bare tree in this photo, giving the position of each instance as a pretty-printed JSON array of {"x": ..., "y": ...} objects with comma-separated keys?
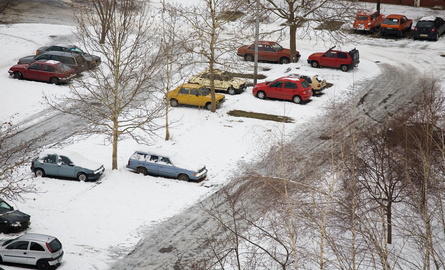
[{"x": 120, "y": 97}]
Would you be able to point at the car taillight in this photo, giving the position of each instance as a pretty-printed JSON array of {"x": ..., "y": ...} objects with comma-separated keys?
[
  {"x": 319, "y": 85},
  {"x": 49, "y": 247},
  {"x": 434, "y": 29},
  {"x": 415, "y": 29}
]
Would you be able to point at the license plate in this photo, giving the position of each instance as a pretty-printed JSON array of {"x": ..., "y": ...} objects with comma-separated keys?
[{"x": 423, "y": 35}]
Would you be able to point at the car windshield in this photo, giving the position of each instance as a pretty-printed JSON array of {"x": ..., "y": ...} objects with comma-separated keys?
[
  {"x": 305, "y": 84},
  {"x": 362, "y": 18},
  {"x": 63, "y": 67},
  {"x": 277, "y": 47},
  {"x": 425, "y": 24},
  {"x": 391, "y": 21},
  {"x": 5, "y": 208},
  {"x": 55, "y": 245},
  {"x": 204, "y": 91}
]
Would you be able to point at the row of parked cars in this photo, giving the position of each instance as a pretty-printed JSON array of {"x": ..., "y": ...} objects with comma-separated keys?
[
  {"x": 55, "y": 64},
  {"x": 429, "y": 27}
]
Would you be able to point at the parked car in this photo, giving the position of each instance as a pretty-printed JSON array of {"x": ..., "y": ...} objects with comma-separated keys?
[
  {"x": 395, "y": 24},
  {"x": 285, "y": 88},
  {"x": 92, "y": 60},
  {"x": 193, "y": 94},
  {"x": 12, "y": 220},
  {"x": 368, "y": 21},
  {"x": 224, "y": 81},
  {"x": 335, "y": 59},
  {"x": 42, "y": 251},
  {"x": 166, "y": 165},
  {"x": 66, "y": 164},
  {"x": 429, "y": 28},
  {"x": 316, "y": 82},
  {"x": 43, "y": 70},
  {"x": 73, "y": 60},
  {"x": 267, "y": 51}
]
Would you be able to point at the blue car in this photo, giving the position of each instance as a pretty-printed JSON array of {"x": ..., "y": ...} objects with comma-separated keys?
[
  {"x": 164, "y": 165},
  {"x": 66, "y": 164}
]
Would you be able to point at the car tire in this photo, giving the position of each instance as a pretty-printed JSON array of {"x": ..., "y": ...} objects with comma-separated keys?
[
  {"x": 284, "y": 60},
  {"x": 183, "y": 177},
  {"x": 296, "y": 99},
  {"x": 248, "y": 57},
  {"x": 141, "y": 170},
  {"x": 344, "y": 68},
  {"x": 54, "y": 80},
  {"x": 39, "y": 173},
  {"x": 42, "y": 265},
  {"x": 174, "y": 103},
  {"x": 315, "y": 64},
  {"x": 261, "y": 95},
  {"x": 209, "y": 106},
  {"x": 18, "y": 75},
  {"x": 82, "y": 177},
  {"x": 436, "y": 38},
  {"x": 231, "y": 91},
  {"x": 3, "y": 229}
]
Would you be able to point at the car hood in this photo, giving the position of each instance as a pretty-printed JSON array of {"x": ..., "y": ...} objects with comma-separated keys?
[
  {"x": 261, "y": 84},
  {"x": 217, "y": 96},
  {"x": 91, "y": 57},
  {"x": 26, "y": 60},
  {"x": 315, "y": 55},
  {"x": 14, "y": 216},
  {"x": 19, "y": 66},
  {"x": 243, "y": 48}
]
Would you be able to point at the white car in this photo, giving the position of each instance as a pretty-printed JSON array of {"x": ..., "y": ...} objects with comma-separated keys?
[
  {"x": 40, "y": 250},
  {"x": 224, "y": 81}
]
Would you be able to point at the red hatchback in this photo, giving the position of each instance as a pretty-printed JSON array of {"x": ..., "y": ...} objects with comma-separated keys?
[
  {"x": 287, "y": 88},
  {"x": 267, "y": 51},
  {"x": 44, "y": 70}
]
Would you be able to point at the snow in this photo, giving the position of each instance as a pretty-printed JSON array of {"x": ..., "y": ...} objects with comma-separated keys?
[
  {"x": 76, "y": 158},
  {"x": 98, "y": 222}
]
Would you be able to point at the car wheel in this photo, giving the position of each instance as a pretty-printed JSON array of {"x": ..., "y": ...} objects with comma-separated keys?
[
  {"x": 18, "y": 75},
  {"x": 231, "y": 90},
  {"x": 82, "y": 177},
  {"x": 261, "y": 95},
  {"x": 436, "y": 38},
  {"x": 248, "y": 57},
  {"x": 142, "y": 170},
  {"x": 209, "y": 106},
  {"x": 296, "y": 99},
  {"x": 344, "y": 68},
  {"x": 314, "y": 64},
  {"x": 183, "y": 177},
  {"x": 39, "y": 173},
  {"x": 54, "y": 80},
  {"x": 42, "y": 265},
  {"x": 173, "y": 103},
  {"x": 3, "y": 229},
  {"x": 284, "y": 60}
]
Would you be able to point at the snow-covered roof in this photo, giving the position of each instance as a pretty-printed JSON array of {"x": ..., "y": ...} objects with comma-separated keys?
[
  {"x": 181, "y": 160},
  {"x": 427, "y": 18},
  {"x": 75, "y": 157}
]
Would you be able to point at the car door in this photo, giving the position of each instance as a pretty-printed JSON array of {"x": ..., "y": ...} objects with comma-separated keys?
[
  {"x": 65, "y": 167},
  {"x": 16, "y": 252},
  {"x": 166, "y": 168},
  {"x": 274, "y": 89},
  {"x": 289, "y": 90},
  {"x": 50, "y": 164},
  {"x": 35, "y": 252},
  {"x": 34, "y": 72},
  {"x": 328, "y": 59},
  {"x": 196, "y": 98},
  {"x": 183, "y": 95},
  {"x": 48, "y": 71},
  {"x": 151, "y": 164},
  {"x": 269, "y": 54}
]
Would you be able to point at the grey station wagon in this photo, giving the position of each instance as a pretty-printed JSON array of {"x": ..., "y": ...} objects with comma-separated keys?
[
  {"x": 66, "y": 164},
  {"x": 171, "y": 166}
]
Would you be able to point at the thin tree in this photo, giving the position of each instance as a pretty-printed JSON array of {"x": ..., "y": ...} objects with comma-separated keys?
[{"x": 120, "y": 97}]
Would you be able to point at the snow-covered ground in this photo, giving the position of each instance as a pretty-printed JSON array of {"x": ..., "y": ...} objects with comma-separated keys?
[{"x": 99, "y": 221}]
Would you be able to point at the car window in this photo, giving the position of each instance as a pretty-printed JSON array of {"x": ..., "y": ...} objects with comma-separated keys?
[
  {"x": 22, "y": 245},
  {"x": 204, "y": 91},
  {"x": 154, "y": 158},
  {"x": 138, "y": 156},
  {"x": 277, "y": 47},
  {"x": 277, "y": 84},
  {"x": 80, "y": 60},
  {"x": 342, "y": 55},
  {"x": 35, "y": 66},
  {"x": 4, "y": 207},
  {"x": 269, "y": 49},
  {"x": 165, "y": 160},
  {"x": 290, "y": 85},
  {"x": 43, "y": 57},
  {"x": 50, "y": 159},
  {"x": 391, "y": 21},
  {"x": 426, "y": 24},
  {"x": 260, "y": 47},
  {"x": 305, "y": 84},
  {"x": 218, "y": 77},
  {"x": 36, "y": 246},
  {"x": 184, "y": 91},
  {"x": 362, "y": 18},
  {"x": 331, "y": 54},
  {"x": 68, "y": 60},
  {"x": 56, "y": 58},
  {"x": 194, "y": 92},
  {"x": 65, "y": 160},
  {"x": 55, "y": 245},
  {"x": 48, "y": 68},
  {"x": 63, "y": 67}
]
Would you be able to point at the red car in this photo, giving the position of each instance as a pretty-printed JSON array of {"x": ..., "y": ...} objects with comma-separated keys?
[
  {"x": 335, "y": 59},
  {"x": 267, "y": 51},
  {"x": 368, "y": 21},
  {"x": 43, "y": 70},
  {"x": 287, "y": 88}
]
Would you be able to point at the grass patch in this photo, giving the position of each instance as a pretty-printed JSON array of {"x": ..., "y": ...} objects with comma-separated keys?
[
  {"x": 261, "y": 116},
  {"x": 330, "y": 25}
]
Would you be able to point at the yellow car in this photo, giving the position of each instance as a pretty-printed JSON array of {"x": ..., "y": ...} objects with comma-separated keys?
[
  {"x": 224, "y": 81},
  {"x": 193, "y": 94},
  {"x": 317, "y": 83}
]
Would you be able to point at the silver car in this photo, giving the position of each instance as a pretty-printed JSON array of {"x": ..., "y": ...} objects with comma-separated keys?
[{"x": 40, "y": 250}]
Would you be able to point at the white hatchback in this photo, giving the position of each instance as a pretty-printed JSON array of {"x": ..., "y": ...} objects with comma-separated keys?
[{"x": 40, "y": 250}]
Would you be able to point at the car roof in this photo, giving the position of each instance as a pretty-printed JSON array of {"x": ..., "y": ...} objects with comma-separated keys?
[
  {"x": 49, "y": 62},
  {"x": 72, "y": 54},
  {"x": 428, "y": 18},
  {"x": 366, "y": 12},
  {"x": 36, "y": 237},
  {"x": 191, "y": 85},
  {"x": 395, "y": 16},
  {"x": 291, "y": 78},
  {"x": 266, "y": 42}
]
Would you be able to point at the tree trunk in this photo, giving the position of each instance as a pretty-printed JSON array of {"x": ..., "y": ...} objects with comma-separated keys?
[
  {"x": 115, "y": 138},
  {"x": 389, "y": 222}
]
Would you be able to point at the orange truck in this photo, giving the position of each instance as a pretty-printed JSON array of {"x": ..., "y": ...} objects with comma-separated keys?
[
  {"x": 368, "y": 21},
  {"x": 395, "y": 24}
]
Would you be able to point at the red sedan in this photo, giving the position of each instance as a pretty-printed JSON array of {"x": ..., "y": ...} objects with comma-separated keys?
[
  {"x": 45, "y": 71},
  {"x": 287, "y": 88}
]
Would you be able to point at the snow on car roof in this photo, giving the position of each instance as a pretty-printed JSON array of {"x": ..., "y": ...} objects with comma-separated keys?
[
  {"x": 427, "y": 18},
  {"x": 178, "y": 159},
  {"x": 52, "y": 62},
  {"x": 76, "y": 158}
]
